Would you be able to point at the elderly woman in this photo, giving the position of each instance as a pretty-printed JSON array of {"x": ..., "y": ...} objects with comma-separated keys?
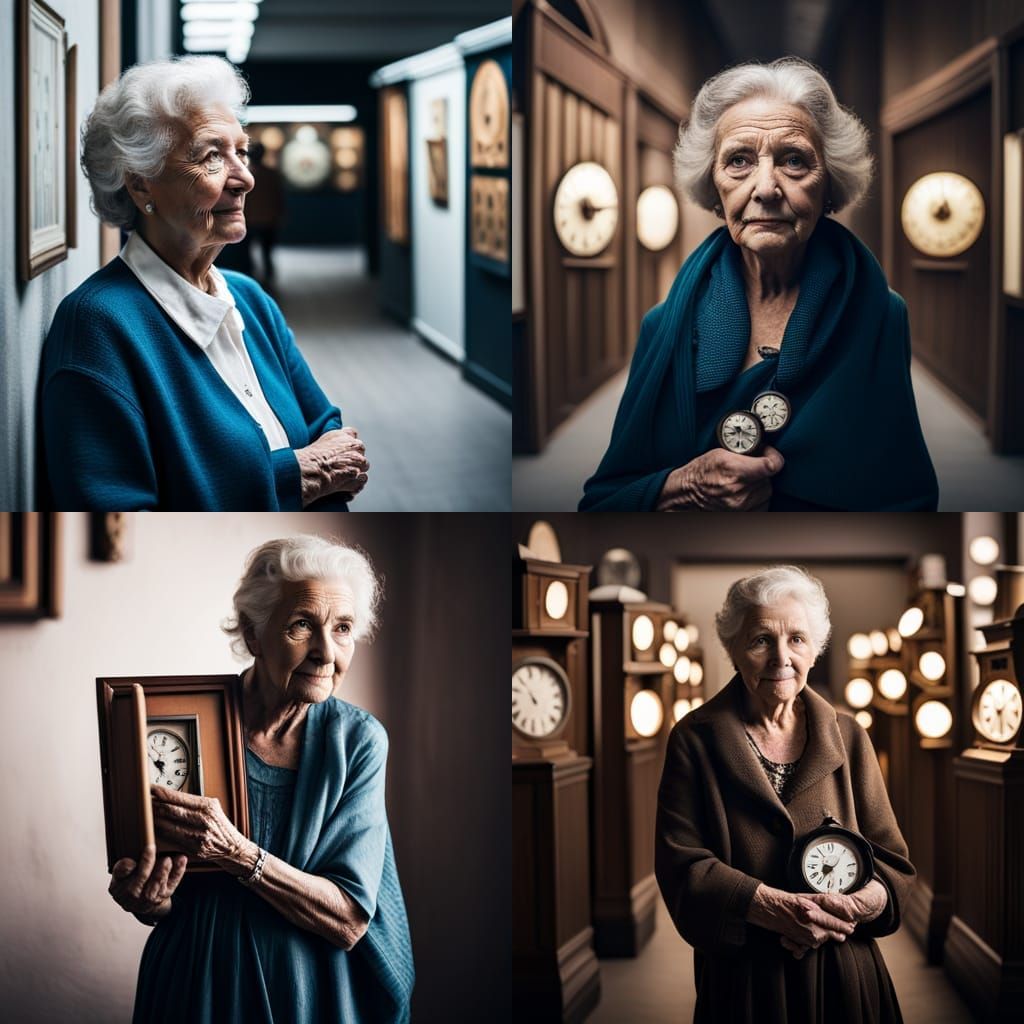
[
  {"x": 167, "y": 384},
  {"x": 305, "y": 921},
  {"x": 747, "y": 775},
  {"x": 783, "y": 299}
]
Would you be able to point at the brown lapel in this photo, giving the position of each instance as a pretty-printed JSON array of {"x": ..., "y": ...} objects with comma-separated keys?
[{"x": 722, "y": 718}]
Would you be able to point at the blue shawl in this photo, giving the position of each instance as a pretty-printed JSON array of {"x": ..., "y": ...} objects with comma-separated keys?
[
  {"x": 225, "y": 956},
  {"x": 854, "y": 442}
]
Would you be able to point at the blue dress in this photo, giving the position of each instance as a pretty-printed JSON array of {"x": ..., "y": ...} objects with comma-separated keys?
[{"x": 223, "y": 954}]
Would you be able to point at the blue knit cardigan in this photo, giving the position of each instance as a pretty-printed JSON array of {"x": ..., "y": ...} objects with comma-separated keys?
[{"x": 133, "y": 415}]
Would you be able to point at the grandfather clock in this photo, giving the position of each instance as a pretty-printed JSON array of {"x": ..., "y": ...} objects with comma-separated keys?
[
  {"x": 932, "y": 666},
  {"x": 554, "y": 970},
  {"x": 985, "y": 944},
  {"x": 631, "y": 671}
]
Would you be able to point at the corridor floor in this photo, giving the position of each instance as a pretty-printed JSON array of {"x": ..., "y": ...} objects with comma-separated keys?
[
  {"x": 435, "y": 443},
  {"x": 657, "y": 986},
  {"x": 970, "y": 476}
]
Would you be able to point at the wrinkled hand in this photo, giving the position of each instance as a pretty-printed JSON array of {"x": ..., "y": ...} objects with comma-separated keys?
[
  {"x": 722, "y": 480},
  {"x": 798, "y": 919},
  {"x": 335, "y": 463},
  {"x": 196, "y": 825},
  {"x": 854, "y": 908},
  {"x": 144, "y": 888}
]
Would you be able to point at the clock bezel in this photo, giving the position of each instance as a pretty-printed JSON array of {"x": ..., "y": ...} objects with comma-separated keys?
[{"x": 563, "y": 676}]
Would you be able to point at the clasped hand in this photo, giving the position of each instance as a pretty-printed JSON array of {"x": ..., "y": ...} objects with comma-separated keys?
[
  {"x": 195, "y": 825},
  {"x": 722, "y": 480}
]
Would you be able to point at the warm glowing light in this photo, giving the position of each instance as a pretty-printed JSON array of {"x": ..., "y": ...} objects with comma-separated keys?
[
  {"x": 681, "y": 639},
  {"x": 864, "y": 719},
  {"x": 859, "y": 693},
  {"x": 982, "y": 590},
  {"x": 895, "y": 640},
  {"x": 669, "y": 630},
  {"x": 696, "y": 702},
  {"x": 910, "y": 621},
  {"x": 682, "y": 669},
  {"x": 892, "y": 684},
  {"x": 667, "y": 655},
  {"x": 933, "y": 719},
  {"x": 879, "y": 642},
  {"x": 984, "y": 550},
  {"x": 556, "y": 599},
  {"x": 859, "y": 646},
  {"x": 643, "y": 633},
  {"x": 932, "y": 665},
  {"x": 696, "y": 674},
  {"x": 693, "y": 633},
  {"x": 956, "y": 589},
  {"x": 646, "y": 713},
  {"x": 680, "y": 709}
]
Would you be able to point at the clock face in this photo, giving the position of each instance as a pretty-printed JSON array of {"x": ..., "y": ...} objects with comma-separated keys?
[
  {"x": 831, "y": 863},
  {"x": 586, "y": 209},
  {"x": 540, "y": 698},
  {"x": 657, "y": 217},
  {"x": 306, "y": 162},
  {"x": 772, "y": 409},
  {"x": 997, "y": 711},
  {"x": 488, "y": 117},
  {"x": 943, "y": 214},
  {"x": 170, "y": 758},
  {"x": 740, "y": 432}
]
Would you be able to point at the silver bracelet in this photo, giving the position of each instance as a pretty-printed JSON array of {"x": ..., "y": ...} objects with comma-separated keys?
[{"x": 257, "y": 872}]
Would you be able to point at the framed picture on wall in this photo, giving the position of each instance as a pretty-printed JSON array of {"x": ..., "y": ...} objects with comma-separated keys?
[
  {"x": 437, "y": 152},
  {"x": 42, "y": 139},
  {"x": 395, "y": 157},
  {"x": 30, "y": 565}
]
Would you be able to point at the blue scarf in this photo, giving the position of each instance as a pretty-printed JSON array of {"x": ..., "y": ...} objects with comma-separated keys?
[{"x": 854, "y": 442}]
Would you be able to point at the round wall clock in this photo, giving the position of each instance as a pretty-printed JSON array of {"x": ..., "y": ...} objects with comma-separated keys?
[
  {"x": 657, "y": 217},
  {"x": 943, "y": 214},
  {"x": 305, "y": 162},
  {"x": 997, "y": 711},
  {"x": 586, "y": 210},
  {"x": 831, "y": 859},
  {"x": 540, "y": 697},
  {"x": 488, "y": 116}
]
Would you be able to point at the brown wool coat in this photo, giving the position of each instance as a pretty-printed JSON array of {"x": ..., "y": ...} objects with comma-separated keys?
[{"x": 721, "y": 830}]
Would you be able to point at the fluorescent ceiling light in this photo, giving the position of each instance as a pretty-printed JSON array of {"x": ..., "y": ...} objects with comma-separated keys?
[
  {"x": 246, "y": 11},
  {"x": 291, "y": 114},
  {"x": 242, "y": 29}
]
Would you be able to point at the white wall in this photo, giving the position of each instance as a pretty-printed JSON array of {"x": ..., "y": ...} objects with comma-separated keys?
[
  {"x": 27, "y": 309},
  {"x": 438, "y": 232}
]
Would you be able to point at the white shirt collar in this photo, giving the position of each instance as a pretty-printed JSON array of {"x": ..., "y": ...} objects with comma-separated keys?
[{"x": 198, "y": 314}]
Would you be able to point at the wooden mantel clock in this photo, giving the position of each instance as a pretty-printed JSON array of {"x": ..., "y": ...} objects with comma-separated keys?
[
  {"x": 984, "y": 952},
  {"x": 633, "y": 653},
  {"x": 554, "y": 970}
]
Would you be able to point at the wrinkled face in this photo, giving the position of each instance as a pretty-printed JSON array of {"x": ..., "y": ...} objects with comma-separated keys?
[
  {"x": 200, "y": 194},
  {"x": 305, "y": 648},
  {"x": 770, "y": 175},
  {"x": 773, "y": 652}
]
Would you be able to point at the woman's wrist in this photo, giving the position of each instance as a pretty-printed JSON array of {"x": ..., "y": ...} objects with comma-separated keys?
[
  {"x": 677, "y": 489},
  {"x": 241, "y": 861}
]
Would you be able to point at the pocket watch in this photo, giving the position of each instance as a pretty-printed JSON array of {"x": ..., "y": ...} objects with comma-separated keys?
[
  {"x": 831, "y": 859},
  {"x": 740, "y": 432},
  {"x": 172, "y": 753},
  {"x": 540, "y": 697},
  {"x": 772, "y": 409}
]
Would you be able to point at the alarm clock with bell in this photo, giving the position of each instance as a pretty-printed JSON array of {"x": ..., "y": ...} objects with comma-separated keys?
[{"x": 831, "y": 859}]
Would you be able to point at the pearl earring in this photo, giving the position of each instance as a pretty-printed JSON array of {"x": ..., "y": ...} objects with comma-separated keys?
[{"x": 149, "y": 207}]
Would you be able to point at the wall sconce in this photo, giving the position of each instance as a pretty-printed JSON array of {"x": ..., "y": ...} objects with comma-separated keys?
[
  {"x": 859, "y": 693},
  {"x": 933, "y": 721},
  {"x": 984, "y": 550},
  {"x": 859, "y": 646},
  {"x": 892, "y": 684},
  {"x": 646, "y": 713},
  {"x": 982, "y": 590},
  {"x": 910, "y": 621}
]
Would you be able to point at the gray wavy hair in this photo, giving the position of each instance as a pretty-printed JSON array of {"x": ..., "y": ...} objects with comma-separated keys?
[
  {"x": 133, "y": 126},
  {"x": 765, "y": 588},
  {"x": 291, "y": 559},
  {"x": 790, "y": 80}
]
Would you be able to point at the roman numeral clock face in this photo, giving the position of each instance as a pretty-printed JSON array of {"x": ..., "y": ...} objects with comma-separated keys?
[
  {"x": 829, "y": 864},
  {"x": 540, "y": 698}
]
